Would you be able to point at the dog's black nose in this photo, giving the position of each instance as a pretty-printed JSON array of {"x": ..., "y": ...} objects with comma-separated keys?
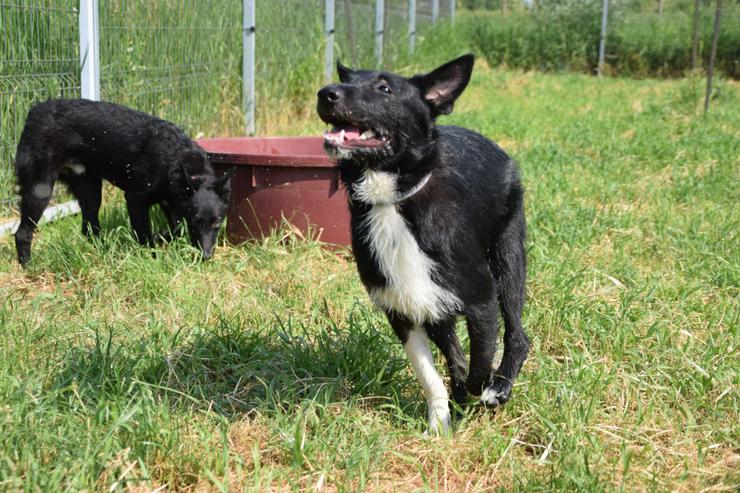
[{"x": 330, "y": 94}]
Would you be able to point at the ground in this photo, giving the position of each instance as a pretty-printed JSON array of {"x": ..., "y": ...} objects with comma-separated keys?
[{"x": 267, "y": 369}]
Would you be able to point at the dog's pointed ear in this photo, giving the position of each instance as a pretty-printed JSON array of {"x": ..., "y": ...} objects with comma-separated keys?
[
  {"x": 193, "y": 163},
  {"x": 192, "y": 181},
  {"x": 443, "y": 85},
  {"x": 345, "y": 73},
  {"x": 193, "y": 159},
  {"x": 223, "y": 182}
]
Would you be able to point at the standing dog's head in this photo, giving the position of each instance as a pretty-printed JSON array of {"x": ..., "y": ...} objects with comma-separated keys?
[
  {"x": 205, "y": 202},
  {"x": 378, "y": 117}
]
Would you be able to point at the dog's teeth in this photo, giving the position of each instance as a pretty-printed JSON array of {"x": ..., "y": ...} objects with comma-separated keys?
[
  {"x": 341, "y": 135},
  {"x": 367, "y": 134}
]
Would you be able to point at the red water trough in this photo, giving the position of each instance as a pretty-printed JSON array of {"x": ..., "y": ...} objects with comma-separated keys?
[{"x": 280, "y": 178}]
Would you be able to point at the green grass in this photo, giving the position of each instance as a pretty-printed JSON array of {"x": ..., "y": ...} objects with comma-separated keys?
[{"x": 266, "y": 368}]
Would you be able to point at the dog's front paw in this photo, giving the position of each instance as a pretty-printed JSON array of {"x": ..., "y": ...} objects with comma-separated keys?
[
  {"x": 439, "y": 418},
  {"x": 496, "y": 393},
  {"x": 476, "y": 383}
]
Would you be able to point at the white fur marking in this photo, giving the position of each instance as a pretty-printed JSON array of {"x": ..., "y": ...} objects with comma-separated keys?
[
  {"x": 339, "y": 152},
  {"x": 41, "y": 190},
  {"x": 74, "y": 168},
  {"x": 377, "y": 187},
  {"x": 490, "y": 397},
  {"x": 410, "y": 289},
  {"x": 77, "y": 169},
  {"x": 420, "y": 355},
  {"x": 380, "y": 187}
]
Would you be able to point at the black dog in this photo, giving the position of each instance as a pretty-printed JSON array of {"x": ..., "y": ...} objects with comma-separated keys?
[
  {"x": 82, "y": 142},
  {"x": 438, "y": 225}
]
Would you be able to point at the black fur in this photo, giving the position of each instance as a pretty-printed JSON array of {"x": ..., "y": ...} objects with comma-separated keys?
[
  {"x": 83, "y": 142},
  {"x": 468, "y": 218}
]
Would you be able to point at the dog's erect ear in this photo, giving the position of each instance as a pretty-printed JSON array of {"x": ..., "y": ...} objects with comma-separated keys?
[
  {"x": 193, "y": 164},
  {"x": 192, "y": 181},
  {"x": 193, "y": 160},
  {"x": 442, "y": 86},
  {"x": 223, "y": 182},
  {"x": 345, "y": 73}
]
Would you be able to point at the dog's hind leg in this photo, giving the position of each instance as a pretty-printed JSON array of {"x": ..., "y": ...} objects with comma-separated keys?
[
  {"x": 508, "y": 263},
  {"x": 416, "y": 345},
  {"x": 483, "y": 331},
  {"x": 138, "y": 212},
  {"x": 35, "y": 196},
  {"x": 443, "y": 335},
  {"x": 88, "y": 192}
]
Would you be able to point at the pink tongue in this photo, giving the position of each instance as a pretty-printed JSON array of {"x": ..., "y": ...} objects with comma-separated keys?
[{"x": 350, "y": 132}]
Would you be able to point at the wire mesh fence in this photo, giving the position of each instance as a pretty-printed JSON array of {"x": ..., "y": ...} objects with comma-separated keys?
[
  {"x": 177, "y": 59},
  {"x": 182, "y": 59},
  {"x": 39, "y": 59},
  {"x": 289, "y": 67},
  {"x": 284, "y": 61}
]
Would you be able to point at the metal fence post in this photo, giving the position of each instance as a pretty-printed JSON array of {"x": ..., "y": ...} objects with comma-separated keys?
[
  {"x": 379, "y": 9},
  {"x": 248, "y": 33},
  {"x": 412, "y": 25},
  {"x": 712, "y": 55},
  {"x": 89, "y": 50},
  {"x": 602, "y": 40},
  {"x": 329, "y": 55},
  {"x": 452, "y": 11},
  {"x": 435, "y": 11}
]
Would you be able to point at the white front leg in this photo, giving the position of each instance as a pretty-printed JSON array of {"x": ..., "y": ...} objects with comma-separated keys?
[{"x": 418, "y": 351}]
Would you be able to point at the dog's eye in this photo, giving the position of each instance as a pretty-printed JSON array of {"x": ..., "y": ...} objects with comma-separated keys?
[{"x": 384, "y": 88}]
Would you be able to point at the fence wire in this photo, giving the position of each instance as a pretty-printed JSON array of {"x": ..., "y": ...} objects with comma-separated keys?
[
  {"x": 177, "y": 59},
  {"x": 39, "y": 59},
  {"x": 182, "y": 59},
  {"x": 290, "y": 42},
  {"x": 284, "y": 59}
]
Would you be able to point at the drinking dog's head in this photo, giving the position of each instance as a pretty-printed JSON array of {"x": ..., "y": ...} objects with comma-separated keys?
[{"x": 204, "y": 204}]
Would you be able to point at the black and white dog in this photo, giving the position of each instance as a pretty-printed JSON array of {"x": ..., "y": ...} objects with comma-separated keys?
[
  {"x": 438, "y": 225},
  {"x": 83, "y": 142}
]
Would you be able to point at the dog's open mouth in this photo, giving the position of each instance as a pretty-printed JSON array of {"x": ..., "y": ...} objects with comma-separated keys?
[{"x": 348, "y": 135}]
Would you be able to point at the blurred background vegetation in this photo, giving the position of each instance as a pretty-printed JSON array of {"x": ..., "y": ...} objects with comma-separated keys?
[{"x": 641, "y": 42}]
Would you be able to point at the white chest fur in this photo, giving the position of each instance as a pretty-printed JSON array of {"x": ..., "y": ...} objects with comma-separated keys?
[{"x": 410, "y": 289}]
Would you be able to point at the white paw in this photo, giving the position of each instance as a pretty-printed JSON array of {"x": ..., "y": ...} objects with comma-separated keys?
[
  {"x": 492, "y": 398},
  {"x": 439, "y": 417}
]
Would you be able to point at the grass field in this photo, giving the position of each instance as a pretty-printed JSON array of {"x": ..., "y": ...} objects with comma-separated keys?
[{"x": 267, "y": 369}]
